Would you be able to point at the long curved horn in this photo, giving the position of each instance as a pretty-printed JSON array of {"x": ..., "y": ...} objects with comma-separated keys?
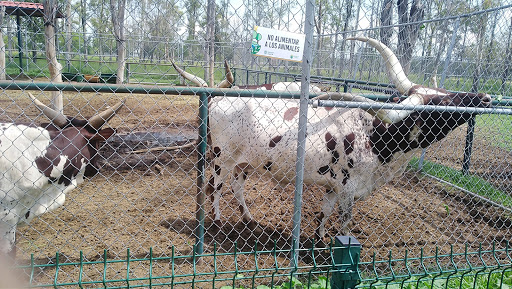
[
  {"x": 230, "y": 79},
  {"x": 54, "y": 116},
  {"x": 194, "y": 79},
  {"x": 101, "y": 118},
  {"x": 385, "y": 115},
  {"x": 395, "y": 70}
]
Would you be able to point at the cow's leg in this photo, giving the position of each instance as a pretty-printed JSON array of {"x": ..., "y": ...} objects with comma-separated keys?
[
  {"x": 210, "y": 192},
  {"x": 346, "y": 202},
  {"x": 328, "y": 204},
  {"x": 216, "y": 183},
  {"x": 238, "y": 184},
  {"x": 8, "y": 240}
]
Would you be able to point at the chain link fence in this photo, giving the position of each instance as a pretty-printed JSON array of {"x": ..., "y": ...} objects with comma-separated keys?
[{"x": 453, "y": 195}]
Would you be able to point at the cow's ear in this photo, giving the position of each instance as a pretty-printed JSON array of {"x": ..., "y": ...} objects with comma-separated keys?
[{"x": 103, "y": 134}]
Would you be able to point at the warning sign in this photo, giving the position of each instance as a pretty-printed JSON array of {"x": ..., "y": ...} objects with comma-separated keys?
[{"x": 278, "y": 44}]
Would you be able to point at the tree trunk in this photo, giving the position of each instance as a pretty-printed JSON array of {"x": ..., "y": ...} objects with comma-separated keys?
[
  {"x": 352, "y": 43},
  {"x": 386, "y": 17},
  {"x": 118, "y": 28},
  {"x": 55, "y": 68},
  {"x": 408, "y": 34},
  {"x": 437, "y": 61},
  {"x": 84, "y": 24},
  {"x": 342, "y": 63},
  {"x": 2, "y": 44},
  {"x": 210, "y": 42},
  {"x": 68, "y": 35},
  {"x": 489, "y": 53},
  {"x": 508, "y": 61},
  {"x": 478, "y": 65},
  {"x": 318, "y": 26},
  {"x": 336, "y": 37}
]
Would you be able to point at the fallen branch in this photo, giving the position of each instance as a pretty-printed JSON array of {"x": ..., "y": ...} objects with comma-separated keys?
[{"x": 157, "y": 149}]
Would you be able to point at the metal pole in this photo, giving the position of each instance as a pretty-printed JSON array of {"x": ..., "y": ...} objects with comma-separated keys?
[
  {"x": 443, "y": 76},
  {"x": 307, "y": 60},
  {"x": 468, "y": 147},
  {"x": 20, "y": 50},
  {"x": 201, "y": 160},
  {"x": 466, "y": 162}
]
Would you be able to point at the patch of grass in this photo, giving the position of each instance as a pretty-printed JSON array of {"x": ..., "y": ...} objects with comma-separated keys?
[
  {"x": 477, "y": 280},
  {"x": 489, "y": 279},
  {"x": 469, "y": 182},
  {"x": 499, "y": 127},
  {"x": 321, "y": 282}
]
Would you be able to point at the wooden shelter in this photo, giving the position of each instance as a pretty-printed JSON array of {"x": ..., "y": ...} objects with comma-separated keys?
[{"x": 26, "y": 9}]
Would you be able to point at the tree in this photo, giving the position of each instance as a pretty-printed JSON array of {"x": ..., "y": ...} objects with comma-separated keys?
[
  {"x": 2, "y": 44},
  {"x": 222, "y": 33},
  {"x": 481, "y": 29},
  {"x": 508, "y": 61},
  {"x": 117, "y": 9},
  {"x": 337, "y": 21},
  {"x": 68, "y": 33},
  {"x": 386, "y": 17},
  {"x": 408, "y": 33},
  {"x": 55, "y": 68},
  {"x": 210, "y": 42},
  {"x": 322, "y": 9},
  {"x": 192, "y": 10},
  {"x": 83, "y": 21}
]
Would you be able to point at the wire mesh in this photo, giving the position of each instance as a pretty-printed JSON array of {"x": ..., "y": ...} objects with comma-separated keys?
[
  {"x": 145, "y": 194},
  {"x": 484, "y": 268}
]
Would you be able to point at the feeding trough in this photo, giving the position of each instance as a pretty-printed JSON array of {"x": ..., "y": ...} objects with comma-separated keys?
[{"x": 91, "y": 78}]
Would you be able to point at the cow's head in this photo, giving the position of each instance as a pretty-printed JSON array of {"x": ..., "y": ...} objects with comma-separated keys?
[
  {"x": 407, "y": 129},
  {"x": 77, "y": 139},
  {"x": 415, "y": 94},
  {"x": 433, "y": 125}
]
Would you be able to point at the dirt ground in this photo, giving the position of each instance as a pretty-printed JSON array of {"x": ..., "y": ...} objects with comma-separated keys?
[{"x": 148, "y": 200}]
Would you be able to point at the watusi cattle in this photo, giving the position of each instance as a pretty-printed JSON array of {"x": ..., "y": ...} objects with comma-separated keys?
[
  {"x": 351, "y": 152},
  {"x": 40, "y": 163}
]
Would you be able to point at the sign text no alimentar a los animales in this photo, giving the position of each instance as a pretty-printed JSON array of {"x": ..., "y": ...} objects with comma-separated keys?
[{"x": 279, "y": 44}]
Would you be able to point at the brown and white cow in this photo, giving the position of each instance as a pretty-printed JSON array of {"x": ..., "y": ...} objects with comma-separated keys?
[
  {"x": 39, "y": 164},
  {"x": 349, "y": 151}
]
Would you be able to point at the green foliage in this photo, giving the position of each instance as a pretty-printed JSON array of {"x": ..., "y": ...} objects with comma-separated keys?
[
  {"x": 469, "y": 182},
  {"x": 481, "y": 280},
  {"x": 293, "y": 283},
  {"x": 484, "y": 280}
]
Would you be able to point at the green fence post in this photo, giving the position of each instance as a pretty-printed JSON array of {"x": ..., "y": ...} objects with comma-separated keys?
[
  {"x": 346, "y": 258},
  {"x": 200, "y": 167}
]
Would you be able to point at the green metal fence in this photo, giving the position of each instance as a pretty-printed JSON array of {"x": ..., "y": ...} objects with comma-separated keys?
[{"x": 484, "y": 268}]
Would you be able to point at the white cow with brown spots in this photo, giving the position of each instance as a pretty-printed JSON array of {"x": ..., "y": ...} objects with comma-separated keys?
[
  {"x": 351, "y": 152},
  {"x": 39, "y": 164}
]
